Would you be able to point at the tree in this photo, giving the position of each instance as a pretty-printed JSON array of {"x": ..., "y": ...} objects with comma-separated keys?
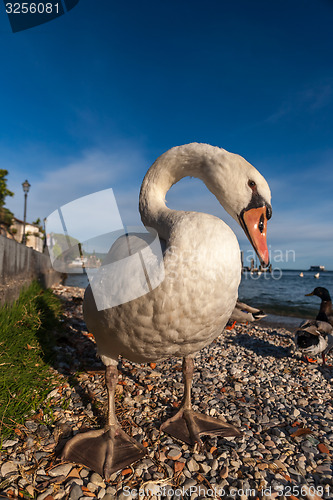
[
  {"x": 6, "y": 215},
  {"x": 37, "y": 222},
  {"x": 4, "y": 191}
]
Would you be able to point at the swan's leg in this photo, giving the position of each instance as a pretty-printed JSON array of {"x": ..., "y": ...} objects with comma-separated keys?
[
  {"x": 188, "y": 425},
  {"x": 106, "y": 450}
]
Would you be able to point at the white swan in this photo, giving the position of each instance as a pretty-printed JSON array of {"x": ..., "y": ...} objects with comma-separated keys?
[{"x": 190, "y": 308}]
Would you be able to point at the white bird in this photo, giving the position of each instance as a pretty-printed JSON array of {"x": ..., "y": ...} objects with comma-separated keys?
[{"x": 193, "y": 303}]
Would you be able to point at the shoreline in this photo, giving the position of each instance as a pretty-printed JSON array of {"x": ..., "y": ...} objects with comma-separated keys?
[
  {"x": 275, "y": 321},
  {"x": 248, "y": 376},
  {"x": 271, "y": 320}
]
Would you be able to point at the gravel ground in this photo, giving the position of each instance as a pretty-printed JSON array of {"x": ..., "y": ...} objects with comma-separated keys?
[{"x": 250, "y": 376}]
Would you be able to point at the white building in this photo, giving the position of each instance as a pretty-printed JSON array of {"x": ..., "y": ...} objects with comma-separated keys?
[{"x": 34, "y": 237}]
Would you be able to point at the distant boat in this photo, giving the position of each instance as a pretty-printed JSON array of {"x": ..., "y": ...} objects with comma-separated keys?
[
  {"x": 317, "y": 275},
  {"x": 78, "y": 262},
  {"x": 301, "y": 275},
  {"x": 317, "y": 268}
]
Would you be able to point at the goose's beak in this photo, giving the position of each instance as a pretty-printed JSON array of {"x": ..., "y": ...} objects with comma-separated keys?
[{"x": 254, "y": 224}]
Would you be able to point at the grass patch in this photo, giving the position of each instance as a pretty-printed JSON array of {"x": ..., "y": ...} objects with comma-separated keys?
[{"x": 26, "y": 340}]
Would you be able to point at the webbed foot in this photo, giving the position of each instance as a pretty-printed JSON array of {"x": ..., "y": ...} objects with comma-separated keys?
[
  {"x": 188, "y": 425},
  {"x": 105, "y": 450}
]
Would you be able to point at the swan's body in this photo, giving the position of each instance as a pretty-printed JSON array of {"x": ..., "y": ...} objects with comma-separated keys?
[
  {"x": 188, "y": 309},
  {"x": 191, "y": 306},
  {"x": 314, "y": 337}
]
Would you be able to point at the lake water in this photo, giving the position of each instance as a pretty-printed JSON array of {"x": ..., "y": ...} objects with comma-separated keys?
[{"x": 281, "y": 294}]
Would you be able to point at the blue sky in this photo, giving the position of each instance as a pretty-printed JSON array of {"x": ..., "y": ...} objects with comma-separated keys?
[{"x": 90, "y": 99}]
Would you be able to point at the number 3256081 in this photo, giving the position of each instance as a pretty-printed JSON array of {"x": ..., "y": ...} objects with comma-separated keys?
[{"x": 32, "y": 8}]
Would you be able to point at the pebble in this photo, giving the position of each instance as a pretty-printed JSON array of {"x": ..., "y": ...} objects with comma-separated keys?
[
  {"x": 92, "y": 487},
  {"x": 204, "y": 468},
  {"x": 8, "y": 443},
  {"x": 189, "y": 483},
  {"x": 76, "y": 492},
  {"x": 224, "y": 472},
  {"x": 8, "y": 468},
  {"x": 45, "y": 494},
  {"x": 61, "y": 470},
  {"x": 98, "y": 480},
  {"x": 84, "y": 473},
  {"x": 192, "y": 465},
  {"x": 174, "y": 454},
  {"x": 247, "y": 376}
]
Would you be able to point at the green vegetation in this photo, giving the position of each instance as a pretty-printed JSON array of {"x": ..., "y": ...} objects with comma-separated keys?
[
  {"x": 66, "y": 245},
  {"x": 26, "y": 341},
  {"x": 6, "y": 215}
]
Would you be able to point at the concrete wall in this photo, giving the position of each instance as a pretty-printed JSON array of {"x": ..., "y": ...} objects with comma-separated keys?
[{"x": 19, "y": 266}]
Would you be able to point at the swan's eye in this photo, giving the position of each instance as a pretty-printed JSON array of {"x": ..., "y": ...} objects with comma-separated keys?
[
  {"x": 252, "y": 184},
  {"x": 261, "y": 225}
]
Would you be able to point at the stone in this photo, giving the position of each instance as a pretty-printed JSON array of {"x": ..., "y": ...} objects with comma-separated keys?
[
  {"x": 61, "y": 470},
  {"x": 45, "y": 494},
  {"x": 124, "y": 495},
  {"x": 189, "y": 483},
  {"x": 224, "y": 472},
  {"x": 84, "y": 473},
  {"x": 192, "y": 465},
  {"x": 203, "y": 467},
  {"x": 92, "y": 487},
  {"x": 174, "y": 454},
  {"x": 8, "y": 468},
  {"x": 97, "y": 479},
  {"x": 9, "y": 443},
  {"x": 75, "y": 492}
]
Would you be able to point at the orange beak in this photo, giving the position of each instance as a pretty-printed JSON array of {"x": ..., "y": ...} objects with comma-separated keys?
[{"x": 254, "y": 223}]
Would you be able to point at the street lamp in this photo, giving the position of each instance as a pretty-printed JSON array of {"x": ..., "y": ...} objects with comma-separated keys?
[{"x": 26, "y": 187}]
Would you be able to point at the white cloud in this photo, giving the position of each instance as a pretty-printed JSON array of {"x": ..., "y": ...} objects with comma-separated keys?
[
  {"x": 92, "y": 171},
  {"x": 311, "y": 98}
]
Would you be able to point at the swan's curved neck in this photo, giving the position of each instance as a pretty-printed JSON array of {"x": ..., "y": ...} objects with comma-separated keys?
[{"x": 171, "y": 167}]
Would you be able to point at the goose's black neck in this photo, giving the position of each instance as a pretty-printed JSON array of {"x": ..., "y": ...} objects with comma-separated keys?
[{"x": 325, "y": 310}]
